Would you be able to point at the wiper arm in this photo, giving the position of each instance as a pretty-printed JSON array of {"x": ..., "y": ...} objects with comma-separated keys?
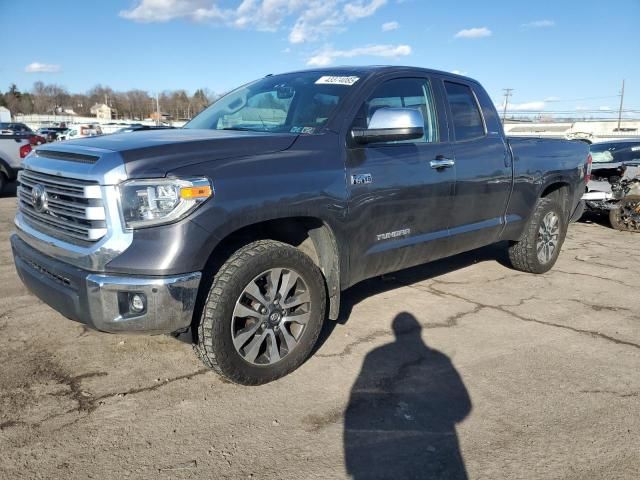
[{"x": 241, "y": 129}]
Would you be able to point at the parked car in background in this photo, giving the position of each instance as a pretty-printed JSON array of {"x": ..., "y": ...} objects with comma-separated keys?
[
  {"x": 51, "y": 133},
  {"x": 13, "y": 149},
  {"x": 614, "y": 187},
  {"x": 36, "y": 139},
  {"x": 16, "y": 127},
  {"x": 80, "y": 131},
  {"x": 142, "y": 128},
  {"x": 24, "y": 131}
]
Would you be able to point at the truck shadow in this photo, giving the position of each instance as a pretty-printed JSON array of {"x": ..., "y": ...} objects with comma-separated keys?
[
  {"x": 403, "y": 409},
  {"x": 597, "y": 218},
  {"x": 377, "y": 285}
]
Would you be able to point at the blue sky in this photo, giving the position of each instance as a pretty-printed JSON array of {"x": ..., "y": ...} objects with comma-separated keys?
[{"x": 557, "y": 55}]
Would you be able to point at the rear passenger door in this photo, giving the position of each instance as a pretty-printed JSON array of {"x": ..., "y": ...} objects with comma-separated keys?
[
  {"x": 399, "y": 213},
  {"x": 483, "y": 167}
]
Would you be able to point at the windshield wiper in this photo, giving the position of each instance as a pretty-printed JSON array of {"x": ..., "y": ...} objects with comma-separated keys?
[{"x": 240, "y": 129}]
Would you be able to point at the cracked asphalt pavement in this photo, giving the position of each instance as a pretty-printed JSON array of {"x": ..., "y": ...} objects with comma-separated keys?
[{"x": 461, "y": 368}]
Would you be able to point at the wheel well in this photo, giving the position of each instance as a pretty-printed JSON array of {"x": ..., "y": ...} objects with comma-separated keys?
[
  {"x": 560, "y": 191},
  {"x": 4, "y": 168},
  {"x": 310, "y": 235}
]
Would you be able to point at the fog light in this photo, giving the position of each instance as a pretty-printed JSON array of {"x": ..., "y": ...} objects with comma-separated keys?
[{"x": 137, "y": 303}]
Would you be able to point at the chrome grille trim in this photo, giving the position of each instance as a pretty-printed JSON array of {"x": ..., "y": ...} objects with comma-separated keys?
[
  {"x": 99, "y": 180},
  {"x": 74, "y": 210}
]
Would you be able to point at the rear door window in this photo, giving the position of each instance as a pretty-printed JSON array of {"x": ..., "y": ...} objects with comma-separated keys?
[{"x": 466, "y": 117}]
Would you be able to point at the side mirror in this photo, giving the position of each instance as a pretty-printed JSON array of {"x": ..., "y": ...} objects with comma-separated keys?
[{"x": 391, "y": 125}]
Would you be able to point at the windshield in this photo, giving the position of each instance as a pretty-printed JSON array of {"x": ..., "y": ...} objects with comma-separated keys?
[
  {"x": 294, "y": 103},
  {"x": 615, "y": 152}
]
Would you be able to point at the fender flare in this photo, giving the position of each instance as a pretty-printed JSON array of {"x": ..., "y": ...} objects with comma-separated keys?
[{"x": 6, "y": 169}]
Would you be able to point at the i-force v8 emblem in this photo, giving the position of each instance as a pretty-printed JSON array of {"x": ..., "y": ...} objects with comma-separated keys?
[{"x": 361, "y": 179}]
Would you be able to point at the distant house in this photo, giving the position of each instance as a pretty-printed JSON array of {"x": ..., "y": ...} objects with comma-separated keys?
[
  {"x": 5, "y": 114},
  {"x": 163, "y": 117},
  {"x": 103, "y": 111}
]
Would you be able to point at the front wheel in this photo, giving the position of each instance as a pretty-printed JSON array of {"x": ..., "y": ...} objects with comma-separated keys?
[
  {"x": 627, "y": 216},
  {"x": 540, "y": 244},
  {"x": 263, "y": 315}
]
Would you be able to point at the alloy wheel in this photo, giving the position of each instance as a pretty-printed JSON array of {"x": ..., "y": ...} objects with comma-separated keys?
[
  {"x": 548, "y": 236},
  {"x": 270, "y": 316}
]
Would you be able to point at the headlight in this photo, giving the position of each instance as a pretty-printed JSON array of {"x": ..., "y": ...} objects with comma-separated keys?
[{"x": 145, "y": 203}]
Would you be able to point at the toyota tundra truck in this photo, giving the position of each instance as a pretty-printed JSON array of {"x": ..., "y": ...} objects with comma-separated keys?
[{"x": 243, "y": 228}]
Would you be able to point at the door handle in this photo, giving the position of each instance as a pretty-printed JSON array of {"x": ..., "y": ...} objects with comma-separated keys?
[{"x": 441, "y": 162}]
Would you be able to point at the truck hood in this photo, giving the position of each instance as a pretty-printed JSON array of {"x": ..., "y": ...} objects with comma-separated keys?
[{"x": 154, "y": 153}]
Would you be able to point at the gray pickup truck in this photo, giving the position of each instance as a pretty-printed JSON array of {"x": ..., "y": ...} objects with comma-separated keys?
[{"x": 245, "y": 226}]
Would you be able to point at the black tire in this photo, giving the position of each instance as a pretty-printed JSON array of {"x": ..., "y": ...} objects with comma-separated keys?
[
  {"x": 523, "y": 254},
  {"x": 624, "y": 217},
  {"x": 215, "y": 345},
  {"x": 3, "y": 182}
]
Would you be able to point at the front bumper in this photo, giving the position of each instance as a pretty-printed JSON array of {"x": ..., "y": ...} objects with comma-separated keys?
[{"x": 96, "y": 300}]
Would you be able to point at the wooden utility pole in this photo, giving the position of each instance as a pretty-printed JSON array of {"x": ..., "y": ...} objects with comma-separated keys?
[
  {"x": 507, "y": 93},
  {"x": 621, "y": 103},
  {"x": 158, "y": 108}
]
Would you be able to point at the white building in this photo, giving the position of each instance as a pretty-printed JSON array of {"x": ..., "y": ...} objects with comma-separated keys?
[
  {"x": 5, "y": 114},
  {"x": 103, "y": 111}
]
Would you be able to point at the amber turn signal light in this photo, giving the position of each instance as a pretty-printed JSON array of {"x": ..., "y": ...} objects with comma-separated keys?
[{"x": 189, "y": 193}]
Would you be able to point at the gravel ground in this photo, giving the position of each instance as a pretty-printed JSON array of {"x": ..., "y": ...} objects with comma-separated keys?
[{"x": 461, "y": 367}]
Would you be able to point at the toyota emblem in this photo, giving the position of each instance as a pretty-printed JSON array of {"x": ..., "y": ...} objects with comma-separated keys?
[{"x": 39, "y": 198}]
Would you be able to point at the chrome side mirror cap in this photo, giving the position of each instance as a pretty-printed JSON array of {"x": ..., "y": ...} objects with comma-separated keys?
[{"x": 391, "y": 125}]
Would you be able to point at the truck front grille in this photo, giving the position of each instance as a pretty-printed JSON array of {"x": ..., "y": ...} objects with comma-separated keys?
[{"x": 65, "y": 208}]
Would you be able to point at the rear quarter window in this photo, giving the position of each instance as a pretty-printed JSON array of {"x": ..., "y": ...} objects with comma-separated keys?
[{"x": 466, "y": 117}]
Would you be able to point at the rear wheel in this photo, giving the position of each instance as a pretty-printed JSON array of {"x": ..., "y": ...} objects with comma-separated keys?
[
  {"x": 539, "y": 247},
  {"x": 263, "y": 315},
  {"x": 3, "y": 182},
  {"x": 627, "y": 216}
]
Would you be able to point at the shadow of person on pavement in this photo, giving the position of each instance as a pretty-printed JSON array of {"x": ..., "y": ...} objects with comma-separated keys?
[{"x": 402, "y": 413}]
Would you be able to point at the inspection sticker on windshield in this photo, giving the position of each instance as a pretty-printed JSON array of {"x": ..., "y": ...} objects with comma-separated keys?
[{"x": 332, "y": 80}]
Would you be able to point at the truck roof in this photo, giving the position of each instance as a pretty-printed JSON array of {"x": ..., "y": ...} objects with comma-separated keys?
[{"x": 376, "y": 69}]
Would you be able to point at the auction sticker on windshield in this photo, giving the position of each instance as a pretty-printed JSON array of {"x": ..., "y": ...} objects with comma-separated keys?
[{"x": 332, "y": 80}]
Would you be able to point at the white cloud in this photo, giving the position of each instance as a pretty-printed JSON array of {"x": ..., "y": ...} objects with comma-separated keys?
[
  {"x": 389, "y": 26},
  {"x": 149, "y": 11},
  {"x": 476, "y": 32},
  {"x": 321, "y": 18},
  {"x": 527, "y": 106},
  {"x": 458, "y": 72},
  {"x": 361, "y": 9},
  {"x": 328, "y": 55},
  {"x": 37, "y": 67},
  {"x": 552, "y": 99},
  {"x": 540, "y": 24},
  {"x": 604, "y": 108},
  {"x": 311, "y": 19}
]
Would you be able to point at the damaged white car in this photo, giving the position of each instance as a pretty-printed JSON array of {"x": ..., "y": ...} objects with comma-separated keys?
[{"x": 615, "y": 183}]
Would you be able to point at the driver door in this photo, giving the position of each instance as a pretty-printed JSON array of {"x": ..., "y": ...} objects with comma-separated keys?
[{"x": 399, "y": 204}]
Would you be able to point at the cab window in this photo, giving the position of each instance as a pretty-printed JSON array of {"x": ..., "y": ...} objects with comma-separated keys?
[
  {"x": 403, "y": 93},
  {"x": 466, "y": 116}
]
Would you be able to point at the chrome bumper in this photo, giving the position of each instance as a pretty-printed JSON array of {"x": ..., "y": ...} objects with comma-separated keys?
[
  {"x": 99, "y": 300},
  {"x": 169, "y": 302}
]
